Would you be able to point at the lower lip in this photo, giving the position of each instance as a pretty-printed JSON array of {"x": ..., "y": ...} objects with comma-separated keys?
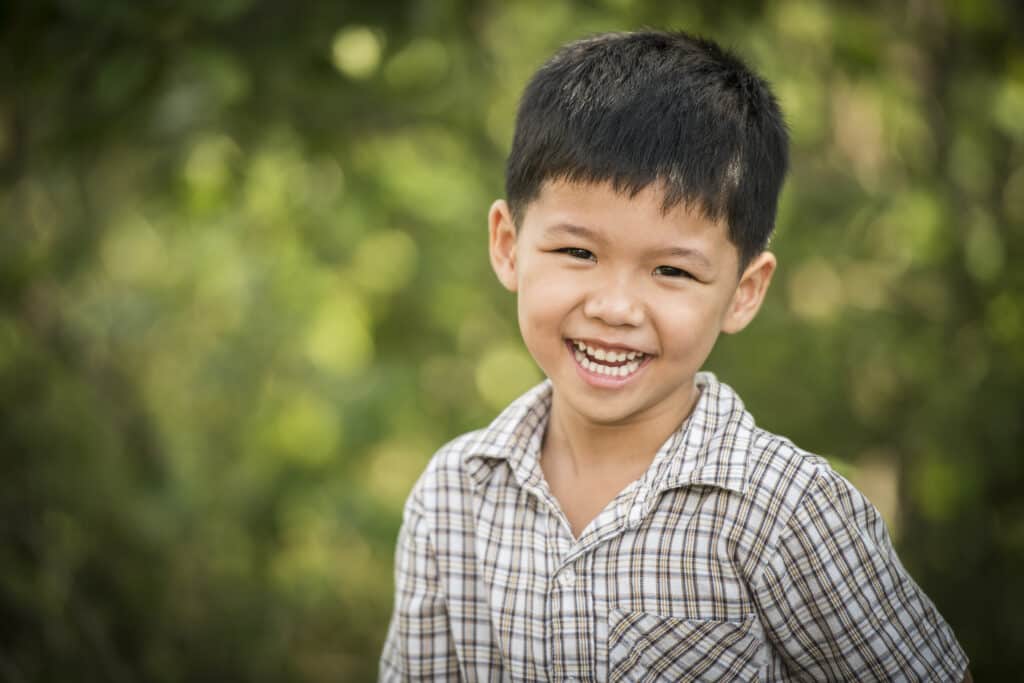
[{"x": 603, "y": 381}]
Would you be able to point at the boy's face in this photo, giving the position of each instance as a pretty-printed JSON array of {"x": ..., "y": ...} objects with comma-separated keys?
[{"x": 645, "y": 293}]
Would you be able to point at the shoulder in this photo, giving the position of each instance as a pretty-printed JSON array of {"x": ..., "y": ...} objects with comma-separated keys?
[
  {"x": 801, "y": 485},
  {"x": 783, "y": 484},
  {"x": 462, "y": 466},
  {"x": 811, "y": 509},
  {"x": 446, "y": 474},
  {"x": 782, "y": 471},
  {"x": 776, "y": 475},
  {"x": 769, "y": 479},
  {"x": 800, "y": 479}
]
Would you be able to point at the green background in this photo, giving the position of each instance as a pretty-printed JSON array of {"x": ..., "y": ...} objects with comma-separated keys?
[{"x": 244, "y": 295}]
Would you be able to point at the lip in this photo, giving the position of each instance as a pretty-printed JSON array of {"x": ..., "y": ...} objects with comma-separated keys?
[{"x": 604, "y": 381}]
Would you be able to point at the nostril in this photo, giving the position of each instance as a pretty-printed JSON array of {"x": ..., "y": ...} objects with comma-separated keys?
[{"x": 614, "y": 310}]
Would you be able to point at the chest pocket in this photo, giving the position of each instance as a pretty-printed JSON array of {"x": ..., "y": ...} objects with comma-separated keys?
[{"x": 650, "y": 647}]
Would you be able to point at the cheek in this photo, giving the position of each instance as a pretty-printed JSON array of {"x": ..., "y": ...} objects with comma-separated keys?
[
  {"x": 538, "y": 313},
  {"x": 544, "y": 295},
  {"x": 541, "y": 334},
  {"x": 544, "y": 307},
  {"x": 690, "y": 327}
]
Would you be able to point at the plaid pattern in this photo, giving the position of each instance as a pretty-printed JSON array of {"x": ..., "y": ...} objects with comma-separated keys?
[{"x": 736, "y": 556}]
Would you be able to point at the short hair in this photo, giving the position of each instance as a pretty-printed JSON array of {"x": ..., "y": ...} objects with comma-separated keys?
[{"x": 635, "y": 108}]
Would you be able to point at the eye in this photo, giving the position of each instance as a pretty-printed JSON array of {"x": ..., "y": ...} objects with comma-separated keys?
[
  {"x": 577, "y": 252},
  {"x": 672, "y": 271}
]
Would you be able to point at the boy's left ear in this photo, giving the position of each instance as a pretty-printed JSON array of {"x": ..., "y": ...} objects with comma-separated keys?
[{"x": 746, "y": 300}]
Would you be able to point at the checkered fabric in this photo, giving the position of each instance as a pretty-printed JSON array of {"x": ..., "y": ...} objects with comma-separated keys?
[{"x": 736, "y": 556}]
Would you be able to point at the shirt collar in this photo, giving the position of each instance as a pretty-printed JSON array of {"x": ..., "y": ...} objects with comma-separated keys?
[
  {"x": 515, "y": 435},
  {"x": 710, "y": 447}
]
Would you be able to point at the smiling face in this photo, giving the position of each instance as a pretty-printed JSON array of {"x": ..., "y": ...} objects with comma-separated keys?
[{"x": 619, "y": 303}]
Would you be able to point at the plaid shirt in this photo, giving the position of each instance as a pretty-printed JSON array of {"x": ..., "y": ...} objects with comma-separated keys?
[{"x": 736, "y": 556}]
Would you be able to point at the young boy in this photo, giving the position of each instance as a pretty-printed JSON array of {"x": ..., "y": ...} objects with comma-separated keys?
[{"x": 626, "y": 520}]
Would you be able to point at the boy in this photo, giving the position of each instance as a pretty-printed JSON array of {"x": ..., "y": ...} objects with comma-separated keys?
[{"x": 626, "y": 520}]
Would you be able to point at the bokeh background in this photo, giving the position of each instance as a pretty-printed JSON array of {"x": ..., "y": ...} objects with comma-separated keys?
[{"x": 244, "y": 295}]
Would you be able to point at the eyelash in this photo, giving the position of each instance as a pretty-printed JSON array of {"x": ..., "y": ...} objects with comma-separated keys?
[
  {"x": 585, "y": 254},
  {"x": 676, "y": 272},
  {"x": 576, "y": 252}
]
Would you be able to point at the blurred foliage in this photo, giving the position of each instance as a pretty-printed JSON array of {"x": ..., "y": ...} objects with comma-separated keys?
[{"x": 244, "y": 295}]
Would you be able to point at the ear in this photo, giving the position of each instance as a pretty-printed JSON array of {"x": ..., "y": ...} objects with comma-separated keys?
[
  {"x": 750, "y": 291},
  {"x": 503, "y": 244}
]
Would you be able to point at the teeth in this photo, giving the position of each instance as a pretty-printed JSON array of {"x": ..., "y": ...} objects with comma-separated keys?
[
  {"x": 608, "y": 370},
  {"x": 602, "y": 354},
  {"x": 589, "y": 358}
]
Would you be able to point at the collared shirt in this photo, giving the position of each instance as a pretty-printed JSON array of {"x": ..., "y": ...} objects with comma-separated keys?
[{"x": 736, "y": 556}]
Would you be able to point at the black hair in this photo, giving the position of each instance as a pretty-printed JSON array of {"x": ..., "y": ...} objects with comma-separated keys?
[{"x": 635, "y": 108}]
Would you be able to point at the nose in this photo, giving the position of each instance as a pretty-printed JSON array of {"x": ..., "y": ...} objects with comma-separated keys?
[{"x": 615, "y": 304}]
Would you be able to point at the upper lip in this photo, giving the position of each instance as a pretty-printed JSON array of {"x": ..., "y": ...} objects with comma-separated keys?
[{"x": 610, "y": 346}]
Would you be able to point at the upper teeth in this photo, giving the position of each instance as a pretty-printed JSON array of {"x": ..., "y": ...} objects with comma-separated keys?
[{"x": 610, "y": 356}]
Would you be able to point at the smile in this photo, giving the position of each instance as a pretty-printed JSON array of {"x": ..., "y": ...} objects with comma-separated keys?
[{"x": 614, "y": 364}]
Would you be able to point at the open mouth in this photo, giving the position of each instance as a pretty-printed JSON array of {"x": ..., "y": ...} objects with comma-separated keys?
[{"x": 611, "y": 363}]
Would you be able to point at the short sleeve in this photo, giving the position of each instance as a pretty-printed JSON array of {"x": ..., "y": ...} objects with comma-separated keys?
[
  {"x": 419, "y": 646},
  {"x": 837, "y": 603}
]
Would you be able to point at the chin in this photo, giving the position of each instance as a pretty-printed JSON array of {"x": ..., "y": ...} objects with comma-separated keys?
[{"x": 605, "y": 414}]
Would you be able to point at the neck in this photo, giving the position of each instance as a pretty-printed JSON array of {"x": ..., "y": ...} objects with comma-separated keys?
[{"x": 588, "y": 446}]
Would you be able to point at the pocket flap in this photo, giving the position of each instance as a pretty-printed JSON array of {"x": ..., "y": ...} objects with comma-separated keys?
[{"x": 650, "y": 647}]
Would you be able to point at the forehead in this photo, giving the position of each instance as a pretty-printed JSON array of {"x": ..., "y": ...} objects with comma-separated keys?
[{"x": 613, "y": 215}]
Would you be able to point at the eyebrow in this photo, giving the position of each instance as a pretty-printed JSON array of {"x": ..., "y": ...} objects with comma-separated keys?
[
  {"x": 685, "y": 253},
  {"x": 571, "y": 229},
  {"x": 581, "y": 231}
]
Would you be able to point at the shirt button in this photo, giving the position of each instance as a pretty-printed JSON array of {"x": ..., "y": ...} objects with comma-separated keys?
[
  {"x": 636, "y": 515},
  {"x": 567, "y": 578}
]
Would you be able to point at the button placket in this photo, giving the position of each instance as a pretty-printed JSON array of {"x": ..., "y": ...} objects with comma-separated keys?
[
  {"x": 567, "y": 577},
  {"x": 636, "y": 510}
]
